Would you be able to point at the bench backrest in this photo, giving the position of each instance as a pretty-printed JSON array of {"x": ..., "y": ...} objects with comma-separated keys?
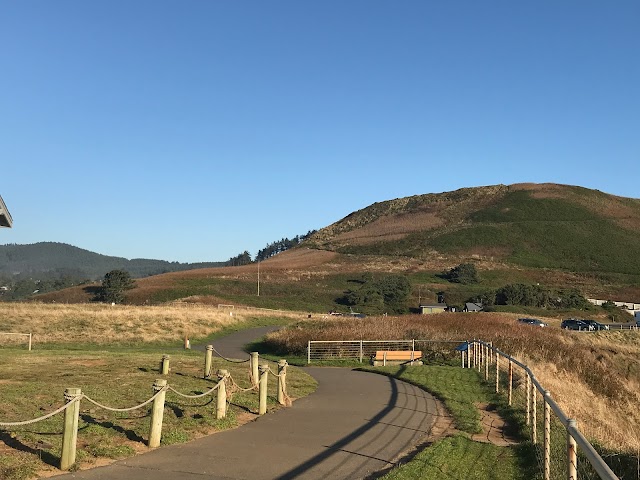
[{"x": 398, "y": 354}]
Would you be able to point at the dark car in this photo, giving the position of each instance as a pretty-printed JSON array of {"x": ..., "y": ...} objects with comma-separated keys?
[
  {"x": 573, "y": 324},
  {"x": 533, "y": 321},
  {"x": 596, "y": 325}
]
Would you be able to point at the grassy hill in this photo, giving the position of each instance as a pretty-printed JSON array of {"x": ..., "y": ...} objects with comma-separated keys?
[
  {"x": 46, "y": 257},
  {"x": 540, "y": 226},
  {"x": 557, "y": 236}
]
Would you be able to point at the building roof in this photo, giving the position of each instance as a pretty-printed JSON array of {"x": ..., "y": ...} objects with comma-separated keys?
[
  {"x": 5, "y": 216},
  {"x": 473, "y": 307},
  {"x": 434, "y": 305}
]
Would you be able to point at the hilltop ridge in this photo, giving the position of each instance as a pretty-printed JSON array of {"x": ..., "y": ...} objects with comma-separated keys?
[
  {"x": 534, "y": 225},
  {"x": 560, "y": 236}
]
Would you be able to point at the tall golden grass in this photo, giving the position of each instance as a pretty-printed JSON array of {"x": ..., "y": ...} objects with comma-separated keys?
[
  {"x": 595, "y": 377},
  {"x": 105, "y": 324}
]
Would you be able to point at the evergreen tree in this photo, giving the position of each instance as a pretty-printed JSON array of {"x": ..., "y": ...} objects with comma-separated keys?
[
  {"x": 464, "y": 273},
  {"x": 114, "y": 284}
]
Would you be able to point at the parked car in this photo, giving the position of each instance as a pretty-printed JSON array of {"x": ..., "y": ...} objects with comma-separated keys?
[
  {"x": 596, "y": 325},
  {"x": 533, "y": 321},
  {"x": 573, "y": 324}
]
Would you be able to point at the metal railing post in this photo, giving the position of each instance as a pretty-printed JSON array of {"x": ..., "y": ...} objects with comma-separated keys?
[
  {"x": 497, "y": 373},
  {"x": 486, "y": 362},
  {"x": 572, "y": 453},
  {"x": 510, "y": 392},
  {"x": 547, "y": 436},
  {"x": 528, "y": 395},
  {"x": 534, "y": 419}
]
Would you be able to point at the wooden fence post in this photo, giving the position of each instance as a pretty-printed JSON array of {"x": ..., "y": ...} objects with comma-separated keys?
[
  {"x": 282, "y": 381},
  {"x": 361, "y": 351},
  {"x": 29, "y": 342},
  {"x": 497, "y": 373},
  {"x": 70, "y": 432},
  {"x": 264, "y": 378},
  {"x": 164, "y": 365},
  {"x": 486, "y": 362},
  {"x": 208, "y": 360},
  {"x": 157, "y": 412},
  {"x": 547, "y": 436},
  {"x": 473, "y": 354},
  {"x": 510, "y": 393},
  {"x": 255, "y": 358},
  {"x": 462, "y": 357},
  {"x": 534, "y": 413},
  {"x": 528, "y": 395},
  {"x": 572, "y": 452},
  {"x": 221, "y": 400}
]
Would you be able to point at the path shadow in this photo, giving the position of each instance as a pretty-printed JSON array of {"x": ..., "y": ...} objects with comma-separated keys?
[
  {"x": 340, "y": 445},
  {"x": 130, "y": 434}
]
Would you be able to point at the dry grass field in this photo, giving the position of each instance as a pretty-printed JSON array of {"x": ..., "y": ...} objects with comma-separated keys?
[
  {"x": 105, "y": 324},
  {"x": 113, "y": 354},
  {"x": 594, "y": 376}
]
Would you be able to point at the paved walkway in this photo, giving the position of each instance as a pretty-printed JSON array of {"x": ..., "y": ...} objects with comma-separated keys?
[{"x": 353, "y": 426}]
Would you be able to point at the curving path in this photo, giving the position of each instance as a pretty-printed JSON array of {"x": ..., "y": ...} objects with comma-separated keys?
[{"x": 353, "y": 426}]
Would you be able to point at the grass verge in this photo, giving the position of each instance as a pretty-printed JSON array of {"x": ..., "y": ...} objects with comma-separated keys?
[
  {"x": 458, "y": 456},
  {"x": 32, "y": 384}
]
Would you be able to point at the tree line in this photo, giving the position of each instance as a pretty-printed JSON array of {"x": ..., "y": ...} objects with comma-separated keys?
[{"x": 269, "y": 251}]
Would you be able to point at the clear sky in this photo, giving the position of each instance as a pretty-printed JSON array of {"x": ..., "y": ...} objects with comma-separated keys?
[{"x": 192, "y": 131}]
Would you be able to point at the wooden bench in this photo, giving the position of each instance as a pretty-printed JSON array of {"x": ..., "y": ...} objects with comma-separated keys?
[{"x": 392, "y": 357}]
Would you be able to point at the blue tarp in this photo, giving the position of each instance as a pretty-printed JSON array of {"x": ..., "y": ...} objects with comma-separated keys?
[{"x": 463, "y": 347}]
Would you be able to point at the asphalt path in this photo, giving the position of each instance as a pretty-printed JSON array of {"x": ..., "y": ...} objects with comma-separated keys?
[{"x": 354, "y": 426}]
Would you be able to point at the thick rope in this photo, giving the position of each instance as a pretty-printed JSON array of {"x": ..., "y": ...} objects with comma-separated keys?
[
  {"x": 112, "y": 409},
  {"x": 39, "y": 419},
  {"x": 237, "y": 388},
  {"x": 193, "y": 396},
  {"x": 275, "y": 374},
  {"x": 228, "y": 359}
]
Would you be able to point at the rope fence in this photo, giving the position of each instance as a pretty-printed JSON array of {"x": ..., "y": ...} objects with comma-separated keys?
[{"x": 225, "y": 387}]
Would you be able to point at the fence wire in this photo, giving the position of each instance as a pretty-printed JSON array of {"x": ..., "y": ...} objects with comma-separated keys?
[
  {"x": 528, "y": 410},
  {"x": 433, "y": 351}
]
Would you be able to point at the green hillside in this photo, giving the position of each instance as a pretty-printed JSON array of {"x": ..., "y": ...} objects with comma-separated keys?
[{"x": 558, "y": 227}]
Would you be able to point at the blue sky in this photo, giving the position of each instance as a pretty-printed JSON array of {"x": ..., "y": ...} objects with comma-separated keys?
[{"x": 192, "y": 131}]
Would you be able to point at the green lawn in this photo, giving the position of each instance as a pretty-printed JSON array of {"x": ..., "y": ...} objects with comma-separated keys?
[{"x": 459, "y": 457}]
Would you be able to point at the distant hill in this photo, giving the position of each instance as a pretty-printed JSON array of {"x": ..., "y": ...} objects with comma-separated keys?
[
  {"x": 532, "y": 225},
  {"x": 55, "y": 259},
  {"x": 555, "y": 236}
]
